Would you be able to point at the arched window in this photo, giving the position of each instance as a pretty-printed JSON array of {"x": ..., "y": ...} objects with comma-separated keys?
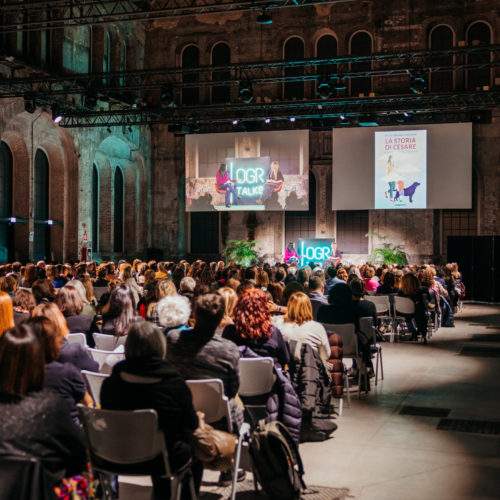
[
  {"x": 41, "y": 244},
  {"x": 221, "y": 56},
  {"x": 118, "y": 210},
  {"x": 106, "y": 56},
  {"x": 190, "y": 59},
  {"x": 95, "y": 208},
  {"x": 361, "y": 45},
  {"x": 294, "y": 51},
  {"x": 6, "y": 236},
  {"x": 302, "y": 224},
  {"x": 327, "y": 48},
  {"x": 478, "y": 34},
  {"x": 441, "y": 39},
  {"x": 123, "y": 61}
]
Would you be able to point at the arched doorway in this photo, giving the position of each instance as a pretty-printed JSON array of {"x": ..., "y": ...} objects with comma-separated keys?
[
  {"x": 41, "y": 241},
  {"x": 6, "y": 228}
]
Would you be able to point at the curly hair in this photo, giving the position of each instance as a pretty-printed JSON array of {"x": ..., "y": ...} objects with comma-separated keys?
[{"x": 251, "y": 315}]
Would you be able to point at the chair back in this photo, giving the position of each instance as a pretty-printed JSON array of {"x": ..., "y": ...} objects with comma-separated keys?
[
  {"x": 382, "y": 303},
  {"x": 106, "y": 342},
  {"x": 256, "y": 376},
  {"x": 348, "y": 333},
  {"x": 77, "y": 338},
  {"x": 123, "y": 437},
  {"x": 403, "y": 305},
  {"x": 367, "y": 329},
  {"x": 106, "y": 358},
  {"x": 94, "y": 382},
  {"x": 208, "y": 397}
]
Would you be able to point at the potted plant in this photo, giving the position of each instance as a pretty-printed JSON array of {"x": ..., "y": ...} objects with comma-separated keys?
[
  {"x": 388, "y": 254},
  {"x": 240, "y": 252}
]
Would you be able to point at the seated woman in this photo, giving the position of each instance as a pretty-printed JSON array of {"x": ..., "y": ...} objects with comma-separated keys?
[
  {"x": 120, "y": 312},
  {"x": 368, "y": 275},
  {"x": 70, "y": 303},
  {"x": 230, "y": 299},
  {"x": 298, "y": 325},
  {"x": 71, "y": 352},
  {"x": 146, "y": 380},
  {"x": 35, "y": 422},
  {"x": 411, "y": 289},
  {"x": 63, "y": 379},
  {"x": 388, "y": 284},
  {"x": 24, "y": 302},
  {"x": 253, "y": 328},
  {"x": 174, "y": 312}
]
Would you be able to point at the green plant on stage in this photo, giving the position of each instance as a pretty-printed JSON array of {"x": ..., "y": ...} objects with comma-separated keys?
[
  {"x": 240, "y": 252},
  {"x": 388, "y": 254}
]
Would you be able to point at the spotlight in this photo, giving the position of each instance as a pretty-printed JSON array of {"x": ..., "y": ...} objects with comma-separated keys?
[
  {"x": 264, "y": 17},
  {"x": 340, "y": 83},
  {"x": 343, "y": 120},
  {"x": 167, "y": 96},
  {"x": 56, "y": 114},
  {"x": 235, "y": 122},
  {"x": 29, "y": 104},
  {"x": 246, "y": 91},
  {"x": 267, "y": 120},
  {"x": 418, "y": 83},
  {"x": 292, "y": 119},
  {"x": 324, "y": 89},
  {"x": 50, "y": 222}
]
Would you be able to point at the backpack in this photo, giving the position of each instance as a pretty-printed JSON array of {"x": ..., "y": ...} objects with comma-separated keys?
[{"x": 276, "y": 461}]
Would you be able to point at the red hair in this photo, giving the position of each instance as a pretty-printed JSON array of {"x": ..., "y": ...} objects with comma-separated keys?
[{"x": 251, "y": 315}]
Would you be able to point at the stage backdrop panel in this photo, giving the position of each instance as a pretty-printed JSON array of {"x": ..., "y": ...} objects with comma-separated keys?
[
  {"x": 378, "y": 167},
  {"x": 247, "y": 171}
]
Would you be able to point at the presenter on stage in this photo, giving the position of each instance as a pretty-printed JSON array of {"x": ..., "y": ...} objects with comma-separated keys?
[
  {"x": 274, "y": 179},
  {"x": 224, "y": 182},
  {"x": 291, "y": 255},
  {"x": 335, "y": 255}
]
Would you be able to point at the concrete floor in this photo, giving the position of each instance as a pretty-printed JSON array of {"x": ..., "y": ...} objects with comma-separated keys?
[{"x": 378, "y": 453}]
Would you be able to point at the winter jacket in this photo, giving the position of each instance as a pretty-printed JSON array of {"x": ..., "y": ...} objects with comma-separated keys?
[
  {"x": 282, "y": 402},
  {"x": 312, "y": 384}
]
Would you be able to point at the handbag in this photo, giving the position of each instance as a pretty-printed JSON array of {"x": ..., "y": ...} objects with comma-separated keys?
[{"x": 211, "y": 446}]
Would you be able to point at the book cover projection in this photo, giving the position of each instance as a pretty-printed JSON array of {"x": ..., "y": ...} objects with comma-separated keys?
[
  {"x": 401, "y": 169},
  {"x": 247, "y": 171}
]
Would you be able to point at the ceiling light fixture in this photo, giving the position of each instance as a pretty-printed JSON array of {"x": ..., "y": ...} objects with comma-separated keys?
[{"x": 264, "y": 17}]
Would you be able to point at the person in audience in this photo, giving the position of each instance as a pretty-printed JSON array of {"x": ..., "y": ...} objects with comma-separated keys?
[
  {"x": 368, "y": 278},
  {"x": 30, "y": 275},
  {"x": 332, "y": 279},
  {"x": 35, "y": 422},
  {"x": 70, "y": 303},
  {"x": 63, "y": 379},
  {"x": 342, "y": 274},
  {"x": 230, "y": 299},
  {"x": 120, "y": 312},
  {"x": 145, "y": 379},
  {"x": 163, "y": 288},
  {"x": 6, "y": 312},
  {"x": 173, "y": 313},
  {"x": 128, "y": 279},
  {"x": 411, "y": 289},
  {"x": 198, "y": 353},
  {"x": 388, "y": 284},
  {"x": 23, "y": 302},
  {"x": 43, "y": 290},
  {"x": 339, "y": 310},
  {"x": 298, "y": 324},
  {"x": 291, "y": 288},
  {"x": 9, "y": 285},
  {"x": 71, "y": 352},
  {"x": 253, "y": 328},
  {"x": 361, "y": 308},
  {"x": 88, "y": 309},
  {"x": 316, "y": 295}
]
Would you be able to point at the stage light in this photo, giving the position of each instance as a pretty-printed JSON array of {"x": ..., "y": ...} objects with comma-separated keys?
[
  {"x": 29, "y": 104},
  {"x": 343, "y": 120},
  {"x": 246, "y": 91},
  {"x": 340, "y": 83},
  {"x": 406, "y": 114},
  {"x": 264, "y": 17},
  {"x": 342, "y": 117},
  {"x": 13, "y": 220},
  {"x": 235, "y": 122},
  {"x": 292, "y": 119},
  {"x": 50, "y": 222},
  {"x": 324, "y": 88},
  {"x": 56, "y": 114},
  {"x": 418, "y": 83},
  {"x": 267, "y": 120}
]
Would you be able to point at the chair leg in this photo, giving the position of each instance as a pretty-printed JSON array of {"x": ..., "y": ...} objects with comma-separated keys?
[
  {"x": 381, "y": 366},
  {"x": 236, "y": 466},
  {"x": 376, "y": 366},
  {"x": 192, "y": 491},
  {"x": 341, "y": 406},
  {"x": 175, "y": 488},
  {"x": 105, "y": 485}
]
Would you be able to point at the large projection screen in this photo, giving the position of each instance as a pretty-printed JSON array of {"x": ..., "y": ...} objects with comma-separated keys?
[
  {"x": 403, "y": 167},
  {"x": 247, "y": 171}
]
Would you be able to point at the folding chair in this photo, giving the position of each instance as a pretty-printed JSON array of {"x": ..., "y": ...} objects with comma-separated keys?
[
  {"x": 256, "y": 379},
  {"x": 402, "y": 305},
  {"x": 366, "y": 326},
  {"x": 106, "y": 342},
  {"x": 383, "y": 307},
  {"x": 130, "y": 443},
  {"x": 350, "y": 350},
  {"x": 94, "y": 382},
  {"x": 208, "y": 397},
  {"x": 106, "y": 359},
  {"x": 77, "y": 338}
]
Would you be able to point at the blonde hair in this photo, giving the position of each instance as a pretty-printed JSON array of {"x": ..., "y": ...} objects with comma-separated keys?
[
  {"x": 299, "y": 309},
  {"x": 52, "y": 312},
  {"x": 230, "y": 299},
  {"x": 6, "y": 312}
]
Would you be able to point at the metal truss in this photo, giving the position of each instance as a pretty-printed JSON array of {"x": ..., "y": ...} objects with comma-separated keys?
[
  {"x": 53, "y": 14},
  {"x": 210, "y": 117},
  {"x": 378, "y": 65}
]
